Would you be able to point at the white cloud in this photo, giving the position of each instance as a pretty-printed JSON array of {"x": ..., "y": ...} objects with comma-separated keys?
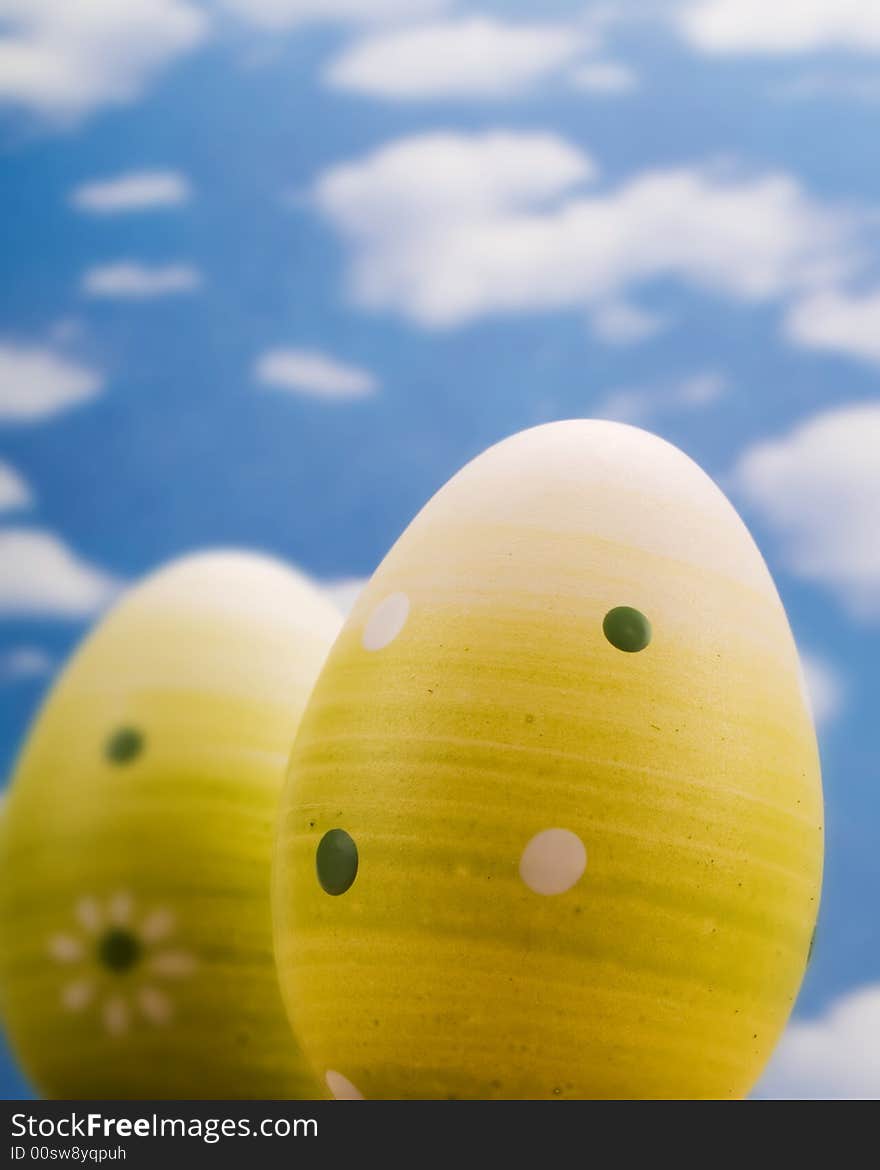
[
  {"x": 639, "y": 405},
  {"x": 36, "y": 383},
  {"x": 133, "y": 191},
  {"x": 345, "y": 591},
  {"x": 474, "y": 57},
  {"x": 66, "y": 330},
  {"x": 833, "y": 320},
  {"x": 307, "y": 371},
  {"x": 620, "y": 323},
  {"x": 41, "y": 577},
  {"x": 274, "y": 14},
  {"x": 445, "y": 228},
  {"x": 14, "y": 492},
  {"x": 834, "y": 84},
  {"x": 608, "y": 78},
  {"x": 437, "y": 179},
  {"x": 823, "y": 685},
  {"x": 783, "y": 26},
  {"x": 819, "y": 489},
  {"x": 130, "y": 280},
  {"x": 701, "y": 389},
  {"x": 66, "y": 58},
  {"x": 834, "y": 1057},
  {"x": 24, "y": 662}
]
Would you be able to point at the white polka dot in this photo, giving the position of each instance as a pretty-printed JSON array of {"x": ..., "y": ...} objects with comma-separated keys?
[
  {"x": 386, "y": 621},
  {"x": 89, "y": 913},
  {"x": 78, "y": 995},
  {"x": 157, "y": 925},
  {"x": 65, "y": 949},
  {"x": 155, "y": 1006},
  {"x": 116, "y": 1016},
  {"x": 120, "y": 908},
  {"x": 341, "y": 1087},
  {"x": 553, "y": 861},
  {"x": 172, "y": 963}
]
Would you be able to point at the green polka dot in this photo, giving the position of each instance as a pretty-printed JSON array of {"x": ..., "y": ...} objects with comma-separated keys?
[
  {"x": 124, "y": 745},
  {"x": 627, "y": 629},
  {"x": 336, "y": 861},
  {"x": 118, "y": 949}
]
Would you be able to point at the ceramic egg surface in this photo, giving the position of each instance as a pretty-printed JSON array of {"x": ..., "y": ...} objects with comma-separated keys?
[
  {"x": 135, "y": 925},
  {"x": 553, "y": 820}
]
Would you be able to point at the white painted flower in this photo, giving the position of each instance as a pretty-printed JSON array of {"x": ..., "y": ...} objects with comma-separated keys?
[{"x": 120, "y": 961}]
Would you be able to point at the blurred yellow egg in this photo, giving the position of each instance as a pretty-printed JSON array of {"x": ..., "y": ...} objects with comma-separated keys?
[
  {"x": 553, "y": 820},
  {"x": 135, "y": 932}
]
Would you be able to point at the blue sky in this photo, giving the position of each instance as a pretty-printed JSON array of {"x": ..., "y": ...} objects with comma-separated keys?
[{"x": 271, "y": 272}]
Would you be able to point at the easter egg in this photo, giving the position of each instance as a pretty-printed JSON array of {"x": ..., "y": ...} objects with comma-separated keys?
[
  {"x": 136, "y": 952},
  {"x": 552, "y": 826}
]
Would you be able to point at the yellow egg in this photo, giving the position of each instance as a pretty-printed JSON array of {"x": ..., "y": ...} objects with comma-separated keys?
[
  {"x": 135, "y": 927},
  {"x": 553, "y": 819}
]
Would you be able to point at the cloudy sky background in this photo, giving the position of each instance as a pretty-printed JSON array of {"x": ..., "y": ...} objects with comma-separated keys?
[{"x": 272, "y": 270}]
